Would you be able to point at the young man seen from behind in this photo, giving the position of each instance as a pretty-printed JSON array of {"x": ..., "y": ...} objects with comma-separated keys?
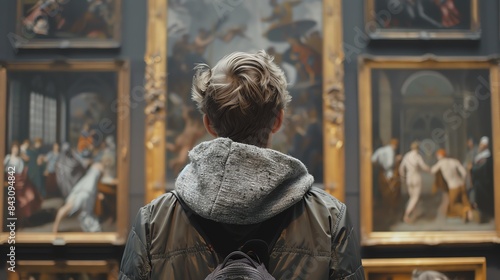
[{"x": 237, "y": 189}]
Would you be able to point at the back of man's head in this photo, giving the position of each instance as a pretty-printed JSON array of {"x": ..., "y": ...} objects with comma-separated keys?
[{"x": 242, "y": 96}]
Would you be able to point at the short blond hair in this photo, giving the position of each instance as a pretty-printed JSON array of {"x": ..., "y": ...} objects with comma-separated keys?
[{"x": 242, "y": 96}]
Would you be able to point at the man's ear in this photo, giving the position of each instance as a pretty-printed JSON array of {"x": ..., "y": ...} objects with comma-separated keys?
[
  {"x": 208, "y": 126},
  {"x": 279, "y": 121}
]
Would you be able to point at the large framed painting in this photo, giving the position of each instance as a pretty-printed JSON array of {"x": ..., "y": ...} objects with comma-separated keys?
[
  {"x": 429, "y": 128},
  {"x": 64, "y": 152},
  {"x": 306, "y": 41},
  {"x": 55, "y": 270},
  {"x": 67, "y": 24},
  {"x": 423, "y": 19},
  {"x": 425, "y": 268}
]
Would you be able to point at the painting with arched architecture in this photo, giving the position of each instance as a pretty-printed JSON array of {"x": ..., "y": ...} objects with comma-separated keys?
[
  {"x": 205, "y": 31},
  {"x": 428, "y": 148}
]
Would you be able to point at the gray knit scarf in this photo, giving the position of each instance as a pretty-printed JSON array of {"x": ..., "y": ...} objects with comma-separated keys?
[{"x": 235, "y": 183}]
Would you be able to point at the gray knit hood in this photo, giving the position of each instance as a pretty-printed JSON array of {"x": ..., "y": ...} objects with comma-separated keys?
[{"x": 235, "y": 183}]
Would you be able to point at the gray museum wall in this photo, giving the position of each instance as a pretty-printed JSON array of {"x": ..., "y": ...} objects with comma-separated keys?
[{"x": 133, "y": 48}]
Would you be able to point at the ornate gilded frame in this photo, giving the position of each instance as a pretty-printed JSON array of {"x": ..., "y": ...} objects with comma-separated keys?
[
  {"x": 474, "y": 33},
  {"x": 366, "y": 65},
  {"x": 156, "y": 90},
  {"x": 22, "y": 42},
  {"x": 388, "y": 266},
  {"x": 122, "y": 69},
  {"x": 99, "y": 266}
]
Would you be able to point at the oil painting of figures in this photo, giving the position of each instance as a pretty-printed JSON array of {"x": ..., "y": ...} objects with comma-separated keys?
[
  {"x": 205, "y": 31},
  {"x": 61, "y": 145},
  {"x": 432, "y": 142}
]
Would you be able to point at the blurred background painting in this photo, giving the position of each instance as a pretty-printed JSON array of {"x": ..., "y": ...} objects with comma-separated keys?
[
  {"x": 68, "y": 23},
  {"x": 205, "y": 31}
]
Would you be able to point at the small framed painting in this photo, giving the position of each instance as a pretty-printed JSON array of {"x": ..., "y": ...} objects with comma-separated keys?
[
  {"x": 67, "y": 24},
  {"x": 423, "y": 19}
]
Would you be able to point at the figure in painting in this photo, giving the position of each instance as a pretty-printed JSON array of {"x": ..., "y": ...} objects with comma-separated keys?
[
  {"x": 388, "y": 179},
  {"x": 282, "y": 13},
  {"x": 33, "y": 160},
  {"x": 193, "y": 131},
  {"x": 454, "y": 175},
  {"x": 95, "y": 21},
  {"x": 410, "y": 168},
  {"x": 82, "y": 200},
  {"x": 50, "y": 160},
  {"x": 305, "y": 59},
  {"x": 52, "y": 18},
  {"x": 14, "y": 159},
  {"x": 86, "y": 143},
  {"x": 108, "y": 160},
  {"x": 467, "y": 164},
  {"x": 482, "y": 179},
  {"x": 28, "y": 200},
  {"x": 422, "y": 13},
  {"x": 69, "y": 169}
]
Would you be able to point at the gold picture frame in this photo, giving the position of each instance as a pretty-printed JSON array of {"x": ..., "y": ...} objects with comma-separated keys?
[
  {"x": 378, "y": 269},
  {"x": 111, "y": 196},
  {"x": 85, "y": 30},
  {"x": 99, "y": 269},
  {"x": 376, "y": 82},
  {"x": 332, "y": 98},
  {"x": 424, "y": 26}
]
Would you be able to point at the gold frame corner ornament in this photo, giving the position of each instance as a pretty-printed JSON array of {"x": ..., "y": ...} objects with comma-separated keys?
[
  {"x": 366, "y": 65},
  {"x": 332, "y": 96}
]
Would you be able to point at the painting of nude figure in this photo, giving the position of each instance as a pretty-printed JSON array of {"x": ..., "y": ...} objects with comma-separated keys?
[
  {"x": 205, "y": 31},
  {"x": 432, "y": 140},
  {"x": 60, "y": 161}
]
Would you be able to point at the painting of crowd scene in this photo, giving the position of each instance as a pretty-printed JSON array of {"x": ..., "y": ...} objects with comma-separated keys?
[
  {"x": 418, "y": 274},
  {"x": 432, "y": 150},
  {"x": 61, "y": 142},
  {"x": 424, "y": 14},
  {"x": 52, "y": 20},
  {"x": 205, "y": 31}
]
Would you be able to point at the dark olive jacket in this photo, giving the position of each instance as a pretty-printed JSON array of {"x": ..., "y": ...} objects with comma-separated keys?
[
  {"x": 231, "y": 193},
  {"x": 318, "y": 243}
]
